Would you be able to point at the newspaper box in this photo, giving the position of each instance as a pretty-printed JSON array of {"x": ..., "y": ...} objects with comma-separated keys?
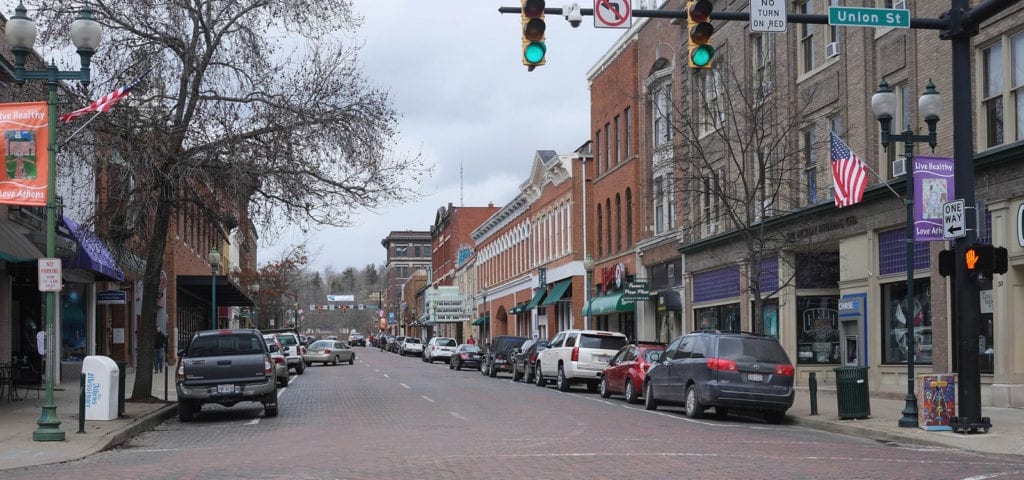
[
  {"x": 101, "y": 387},
  {"x": 936, "y": 397}
]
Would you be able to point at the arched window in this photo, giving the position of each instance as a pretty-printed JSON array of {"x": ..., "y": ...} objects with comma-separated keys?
[
  {"x": 618, "y": 222},
  {"x": 608, "y": 231},
  {"x": 600, "y": 235},
  {"x": 629, "y": 217}
]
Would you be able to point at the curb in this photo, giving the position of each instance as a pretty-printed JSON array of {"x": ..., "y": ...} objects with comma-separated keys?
[
  {"x": 852, "y": 429},
  {"x": 146, "y": 422}
]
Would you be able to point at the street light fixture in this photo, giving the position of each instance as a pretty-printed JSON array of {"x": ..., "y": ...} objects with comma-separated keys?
[
  {"x": 20, "y": 32},
  {"x": 588, "y": 266},
  {"x": 214, "y": 259},
  {"x": 255, "y": 289},
  {"x": 883, "y": 103},
  {"x": 487, "y": 315}
]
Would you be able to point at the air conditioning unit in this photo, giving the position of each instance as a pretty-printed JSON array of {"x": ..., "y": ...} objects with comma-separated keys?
[
  {"x": 767, "y": 207},
  {"x": 899, "y": 5},
  {"x": 832, "y": 50},
  {"x": 899, "y": 167}
]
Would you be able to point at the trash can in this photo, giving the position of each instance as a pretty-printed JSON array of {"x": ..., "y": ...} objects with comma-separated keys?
[
  {"x": 852, "y": 392},
  {"x": 123, "y": 371}
]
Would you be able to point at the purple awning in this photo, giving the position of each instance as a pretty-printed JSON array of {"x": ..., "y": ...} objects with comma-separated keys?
[{"x": 91, "y": 253}]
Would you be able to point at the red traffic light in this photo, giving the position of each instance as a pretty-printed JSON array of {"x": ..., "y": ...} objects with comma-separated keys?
[
  {"x": 700, "y": 11},
  {"x": 701, "y": 33},
  {"x": 533, "y": 8}
]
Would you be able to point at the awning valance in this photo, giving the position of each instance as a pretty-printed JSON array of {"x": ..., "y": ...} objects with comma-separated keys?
[
  {"x": 91, "y": 253},
  {"x": 607, "y": 304},
  {"x": 535, "y": 300},
  {"x": 557, "y": 292},
  {"x": 229, "y": 294},
  {"x": 482, "y": 320}
]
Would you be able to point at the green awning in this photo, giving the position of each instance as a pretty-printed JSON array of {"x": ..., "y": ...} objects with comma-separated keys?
[
  {"x": 557, "y": 292},
  {"x": 606, "y": 304},
  {"x": 517, "y": 309},
  {"x": 15, "y": 247},
  {"x": 481, "y": 321},
  {"x": 535, "y": 300}
]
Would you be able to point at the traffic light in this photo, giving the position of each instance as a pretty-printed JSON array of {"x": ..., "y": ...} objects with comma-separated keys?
[
  {"x": 534, "y": 48},
  {"x": 947, "y": 265},
  {"x": 699, "y": 30},
  {"x": 1000, "y": 260},
  {"x": 979, "y": 258}
]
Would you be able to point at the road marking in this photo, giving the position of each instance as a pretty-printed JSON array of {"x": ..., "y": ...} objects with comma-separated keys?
[
  {"x": 460, "y": 417},
  {"x": 994, "y": 475},
  {"x": 386, "y": 376},
  {"x": 427, "y": 398},
  {"x": 406, "y": 386},
  {"x": 254, "y": 421}
]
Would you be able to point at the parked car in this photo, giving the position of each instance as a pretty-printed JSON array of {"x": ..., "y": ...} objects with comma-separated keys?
[
  {"x": 329, "y": 351},
  {"x": 225, "y": 367},
  {"x": 465, "y": 355},
  {"x": 410, "y": 346},
  {"x": 626, "y": 370},
  {"x": 439, "y": 348},
  {"x": 293, "y": 349},
  {"x": 357, "y": 339},
  {"x": 524, "y": 360},
  {"x": 577, "y": 356},
  {"x": 498, "y": 357},
  {"x": 740, "y": 371},
  {"x": 393, "y": 343},
  {"x": 277, "y": 357}
]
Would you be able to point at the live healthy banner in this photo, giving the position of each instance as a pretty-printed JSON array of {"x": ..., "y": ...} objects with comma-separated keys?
[{"x": 25, "y": 172}]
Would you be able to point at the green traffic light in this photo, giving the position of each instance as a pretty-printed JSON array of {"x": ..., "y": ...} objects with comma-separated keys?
[
  {"x": 701, "y": 55},
  {"x": 534, "y": 52}
]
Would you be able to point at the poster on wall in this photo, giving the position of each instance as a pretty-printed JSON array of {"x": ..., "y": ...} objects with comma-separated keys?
[{"x": 23, "y": 178}]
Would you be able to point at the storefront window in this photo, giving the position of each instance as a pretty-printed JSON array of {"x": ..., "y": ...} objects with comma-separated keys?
[
  {"x": 894, "y": 322},
  {"x": 720, "y": 317},
  {"x": 770, "y": 317},
  {"x": 818, "y": 329},
  {"x": 72, "y": 319}
]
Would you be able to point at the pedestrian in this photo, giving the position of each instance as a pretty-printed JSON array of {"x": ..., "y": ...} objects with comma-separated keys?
[
  {"x": 159, "y": 346},
  {"x": 471, "y": 341}
]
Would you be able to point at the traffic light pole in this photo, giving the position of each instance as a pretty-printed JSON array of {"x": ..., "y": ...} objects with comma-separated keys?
[{"x": 957, "y": 25}]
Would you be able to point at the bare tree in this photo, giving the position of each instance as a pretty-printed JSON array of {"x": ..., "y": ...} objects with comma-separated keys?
[
  {"x": 738, "y": 167},
  {"x": 252, "y": 106}
]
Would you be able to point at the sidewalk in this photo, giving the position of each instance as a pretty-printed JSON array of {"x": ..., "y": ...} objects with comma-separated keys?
[{"x": 18, "y": 421}]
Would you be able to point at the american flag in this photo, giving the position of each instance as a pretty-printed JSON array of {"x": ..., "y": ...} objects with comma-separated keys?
[
  {"x": 849, "y": 174},
  {"x": 105, "y": 102}
]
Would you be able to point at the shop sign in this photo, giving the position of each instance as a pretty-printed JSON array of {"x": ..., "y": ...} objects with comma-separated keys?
[{"x": 636, "y": 292}]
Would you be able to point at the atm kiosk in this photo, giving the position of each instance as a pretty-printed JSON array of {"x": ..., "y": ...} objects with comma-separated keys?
[{"x": 852, "y": 329}]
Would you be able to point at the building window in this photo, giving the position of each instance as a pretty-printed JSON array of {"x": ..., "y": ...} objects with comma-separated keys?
[
  {"x": 662, "y": 112},
  {"x": 817, "y": 333},
  {"x": 810, "y": 165},
  {"x": 894, "y": 322},
  {"x": 659, "y": 207},
  {"x": 833, "y": 30},
  {"x": 710, "y": 202},
  {"x": 712, "y": 114},
  {"x": 607, "y": 148},
  {"x": 762, "y": 52},
  {"x": 597, "y": 151},
  {"x": 806, "y": 38},
  {"x": 899, "y": 124},
  {"x": 608, "y": 209},
  {"x": 600, "y": 227},
  {"x": 629, "y": 217},
  {"x": 618, "y": 142},
  {"x": 627, "y": 135},
  {"x": 618, "y": 223},
  {"x": 720, "y": 317},
  {"x": 1002, "y": 107}
]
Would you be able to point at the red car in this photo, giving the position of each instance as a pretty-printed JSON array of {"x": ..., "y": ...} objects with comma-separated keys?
[{"x": 626, "y": 370}]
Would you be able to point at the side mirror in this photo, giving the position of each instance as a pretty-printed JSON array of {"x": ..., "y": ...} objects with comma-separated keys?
[
  {"x": 181, "y": 352},
  {"x": 655, "y": 357}
]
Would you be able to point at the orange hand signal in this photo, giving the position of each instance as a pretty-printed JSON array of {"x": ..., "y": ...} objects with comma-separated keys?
[{"x": 972, "y": 259}]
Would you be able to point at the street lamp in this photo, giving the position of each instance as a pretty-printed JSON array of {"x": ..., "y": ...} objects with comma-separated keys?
[
  {"x": 214, "y": 259},
  {"x": 487, "y": 315},
  {"x": 883, "y": 103},
  {"x": 20, "y": 32},
  {"x": 255, "y": 289},
  {"x": 588, "y": 266}
]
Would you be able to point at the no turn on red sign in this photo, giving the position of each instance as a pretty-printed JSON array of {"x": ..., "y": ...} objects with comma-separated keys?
[{"x": 612, "y": 13}]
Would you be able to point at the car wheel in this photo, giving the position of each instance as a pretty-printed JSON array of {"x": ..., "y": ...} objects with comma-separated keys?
[
  {"x": 186, "y": 410},
  {"x": 561, "y": 382},
  {"x": 451, "y": 365},
  {"x": 281, "y": 383},
  {"x": 308, "y": 364},
  {"x": 458, "y": 365},
  {"x": 540, "y": 382},
  {"x": 335, "y": 361},
  {"x": 721, "y": 412},
  {"x": 491, "y": 371},
  {"x": 649, "y": 402},
  {"x": 774, "y": 417},
  {"x": 516, "y": 374},
  {"x": 602, "y": 388},
  {"x": 529, "y": 375},
  {"x": 301, "y": 368},
  {"x": 270, "y": 405},
  {"x": 352, "y": 359},
  {"x": 693, "y": 407},
  {"x": 631, "y": 396}
]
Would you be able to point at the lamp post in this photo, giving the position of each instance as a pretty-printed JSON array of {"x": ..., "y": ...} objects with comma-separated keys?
[
  {"x": 214, "y": 259},
  {"x": 20, "y": 32},
  {"x": 487, "y": 315},
  {"x": 255, "y": 289},
  {"x": 883, "y": 103},
  {"x": 588, "y": 266}
]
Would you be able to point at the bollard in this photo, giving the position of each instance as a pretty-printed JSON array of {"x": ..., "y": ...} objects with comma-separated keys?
[
  {"x": 81, "y": 403},
  {"x": 122, "y": 373},
  {"x": 812, "y": 385}
]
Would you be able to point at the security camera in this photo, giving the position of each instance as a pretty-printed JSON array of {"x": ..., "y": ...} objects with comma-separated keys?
[{"x": 572, "y": 14}]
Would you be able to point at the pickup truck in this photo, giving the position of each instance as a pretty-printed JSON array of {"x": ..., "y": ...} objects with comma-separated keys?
[{"x": 225, "y": 367}]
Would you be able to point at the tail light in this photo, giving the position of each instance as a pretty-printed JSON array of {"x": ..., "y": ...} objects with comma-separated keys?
[
  {"x": 268, "y": 368},
  {"x": 279, "y": 360},
  {"x": 180, "y": 372},
  {"x": 533, "y": 358},
  {"x": 326, "y": 350},
  {"x": 302, "y": 350},
  {"x": 722, "y": 364},
  {"x": 576, "y": 354},
  {"x": 784, "y": 370}
]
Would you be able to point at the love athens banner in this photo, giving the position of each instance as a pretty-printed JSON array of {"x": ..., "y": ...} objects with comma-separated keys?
[{"x": 25, "y": 172}]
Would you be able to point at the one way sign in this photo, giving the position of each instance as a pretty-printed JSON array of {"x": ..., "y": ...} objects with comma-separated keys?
[{"x": 953, "y": 219}]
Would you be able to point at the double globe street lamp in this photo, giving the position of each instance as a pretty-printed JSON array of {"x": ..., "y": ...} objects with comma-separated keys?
[
  {"x": 20, "y": 32},
  {"x": 214, "y": 259},
  {"x": 883, "y": 103}
]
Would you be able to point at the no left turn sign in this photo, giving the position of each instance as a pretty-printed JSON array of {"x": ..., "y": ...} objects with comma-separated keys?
[{"x": 612, "y": 13}]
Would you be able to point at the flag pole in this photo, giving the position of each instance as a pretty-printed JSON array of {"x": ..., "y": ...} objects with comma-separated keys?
[{"x": 87, "y": 122}]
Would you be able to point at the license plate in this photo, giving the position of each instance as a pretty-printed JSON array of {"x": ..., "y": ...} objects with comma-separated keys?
[
  {"x": 225, "y": 389},
  {"x": 603, "y": 358},
  {"x": 755, "y": 377}
]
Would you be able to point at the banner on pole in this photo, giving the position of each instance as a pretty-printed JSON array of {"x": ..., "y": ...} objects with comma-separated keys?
[{"x": 23, "y": 178}]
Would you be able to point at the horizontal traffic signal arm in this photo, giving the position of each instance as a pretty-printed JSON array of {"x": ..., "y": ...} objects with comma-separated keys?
[{"x": 919, "y": 23}]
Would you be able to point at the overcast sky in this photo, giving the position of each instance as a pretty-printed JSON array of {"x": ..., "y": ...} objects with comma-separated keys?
[{"x": 456, "y": 79}]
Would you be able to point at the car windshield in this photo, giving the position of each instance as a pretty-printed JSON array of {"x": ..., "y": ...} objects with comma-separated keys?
[
  {"x": 446, "y": 342},
  {"x": 322, "y": 343},
  {"x": 470, "y": 349},
  {"x": 604, "y": 342},
  {"x": 287, "y": 340},
  {"x": 751, "y": 350}
]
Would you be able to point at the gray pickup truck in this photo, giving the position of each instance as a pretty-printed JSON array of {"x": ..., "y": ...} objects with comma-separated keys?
[{"x": 225, "y": 367}]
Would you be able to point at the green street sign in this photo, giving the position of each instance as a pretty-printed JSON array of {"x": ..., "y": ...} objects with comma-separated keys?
[{"x": 869, "y": 17}]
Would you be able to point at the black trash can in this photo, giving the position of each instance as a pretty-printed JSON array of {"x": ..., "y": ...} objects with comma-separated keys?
[
  {"x": 122, "y": 368},
  {"x": 852, "y": 392}
]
